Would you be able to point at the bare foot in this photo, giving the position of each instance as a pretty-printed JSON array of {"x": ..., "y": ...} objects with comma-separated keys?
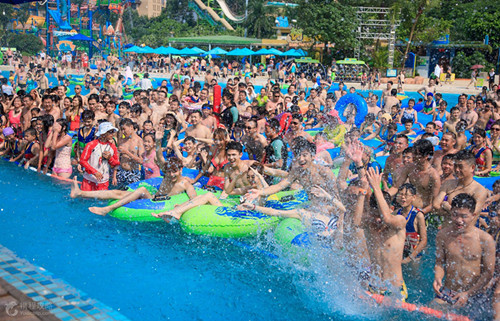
[
  {"x": 99, "y": 210},
  {"x": 168, "y": 215},
  {"x": 75, "y": 189}
]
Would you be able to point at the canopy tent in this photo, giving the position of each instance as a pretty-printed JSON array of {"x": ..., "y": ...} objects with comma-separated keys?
[
  {"x": 198, "y": 50},
  {"x": 132, "y": 49},
  {"x": 216, "y": 51},
  {"x": 146, "y": 50},
  {"x": 167, "y": 51},
  {"x": 302, "y": 52},
  {"x": 240, "y": 52},
  {"x": 307, "y": 61},
  {"x": 292, "y": 53},
  {"x": 268, "y": 51},
  {"x": 188, "y": 52}
]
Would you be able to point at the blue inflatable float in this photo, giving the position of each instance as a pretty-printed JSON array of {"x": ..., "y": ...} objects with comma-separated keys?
[{"x": 356, "y": 100}]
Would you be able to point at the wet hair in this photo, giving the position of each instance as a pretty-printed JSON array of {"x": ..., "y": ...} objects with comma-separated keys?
[
  {"x": 481, "y": 132},
  {"x": 190, "y": 139},
  {"x": 88, "y": 114},
  {"x": 298, "y": 117},
  {"x": 453, "y": 109},
  {"x": 423, "y": 148},
  {"x": 274, "y": 124},
  {"x": 465, "y": 156},
  {"x": 409, "y": 187},
  {"x": 220, "y": 133},
  {"x": 464, "y": 200},
  {"x": 496, "y": 184},
  {"x": 234, "y": 146},
  {"x": 452, "y": 134},
  {"x": 408, "y": 121},
  {"x": 196, "y": 112},
  {"x": 403, "y": 136},
  {"x": 394, "y": 92},
  {"x": 370, "y": 117},
  {"x": 94, "y": 97},
  {"x": 373, "y": 199},
  {"x": 392, "y": 126},
  {"x": 301, "y": 144},
  {"x": 64, "y": 125},
  {"x": 433, "y": 124},
  {"x": 409, "y": 150},
  {"x": 461, "y": 125},
  {"x": 30, "y": 131},
  {"x": 448, "y": 157},
  {"x": 125, "y": 104},
  {"x": 172, "y": 164}
]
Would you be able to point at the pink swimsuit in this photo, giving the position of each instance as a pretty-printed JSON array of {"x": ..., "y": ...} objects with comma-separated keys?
[{"x": 151, "y": 169}]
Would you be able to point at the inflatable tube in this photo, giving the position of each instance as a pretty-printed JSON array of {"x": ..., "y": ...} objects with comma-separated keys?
[
  {"x": 291, "y": 236},
  {"x": 141, "y": 209},
  {"x": 335, "y": 87},
  {"x": 226, "y": 221},
  {"x": 73, "y": 82},
  {"x": 313, "y": 132},
  {"x": 356, "y": 100}
]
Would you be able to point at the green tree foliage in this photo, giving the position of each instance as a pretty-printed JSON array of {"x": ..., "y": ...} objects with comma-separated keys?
[
  {"x": 328, "y": 21},
  {"x": 461, "y": 63},
  {"x": 260, "y": 20},
  {"x": 28, "y": 44}
]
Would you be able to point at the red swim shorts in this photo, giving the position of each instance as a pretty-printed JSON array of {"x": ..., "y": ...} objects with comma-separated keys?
[
  {"x": 91, "y": 186},
  {"x": 216, "y": 181}
]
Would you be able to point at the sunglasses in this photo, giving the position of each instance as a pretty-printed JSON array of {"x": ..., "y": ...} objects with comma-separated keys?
[
  {"x": 248, "y": 127},
  {"x": 495, "y": 129},
  {"x": 295, "y": 123}
]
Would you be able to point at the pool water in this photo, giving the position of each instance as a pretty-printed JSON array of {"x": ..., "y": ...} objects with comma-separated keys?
[{"x": 152, "y": 271}]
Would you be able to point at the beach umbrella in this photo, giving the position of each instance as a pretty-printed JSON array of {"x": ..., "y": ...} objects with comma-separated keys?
[
  {"x": 147, "y": 50},
  {"x": 246, "y": 52},
  {"x": 276, "y": 52},
  {"x": 291, "y": 53},
  {"x": 216, "y": 51},
  {"x": 188, "y": 52},
  {"x": 132, "y": 49},
  {"x": 477, "y": 67},
  {"x": 198, "y": 50},
  {"x": 235, "y": 52},
  {"x": 167, "y": 51}
]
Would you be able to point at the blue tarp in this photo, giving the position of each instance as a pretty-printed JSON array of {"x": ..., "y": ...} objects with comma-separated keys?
[{"x": 63, "y": 24}]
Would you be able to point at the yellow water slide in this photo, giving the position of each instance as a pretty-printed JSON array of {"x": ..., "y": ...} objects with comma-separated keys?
[{"x": 214, "y": 15}]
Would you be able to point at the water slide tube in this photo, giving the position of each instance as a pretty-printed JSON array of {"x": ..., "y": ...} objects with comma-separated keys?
[
  {"x": 214, "y": 15},
  {"x": 228, "y": 13}
]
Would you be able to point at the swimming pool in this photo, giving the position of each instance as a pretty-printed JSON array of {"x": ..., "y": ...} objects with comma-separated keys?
[{"x": 156, "y": 272}]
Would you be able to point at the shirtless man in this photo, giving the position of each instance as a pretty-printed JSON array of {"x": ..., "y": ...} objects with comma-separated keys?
[
  {"x": 111, "y": 116},
  {"x": 242, "y": 104},
  {"x": 372, "y": 105},
  {"x": 450, "y": 124},
  {"x": 395, "y": 159},
  {"x": 49, "y": 107},
  {"x": 387, "y": 92},
  {"x": 385, "y": 237},
  {"x": 253, "y": 142},
  {"x": 465, "y": 164},
  {"x": 470, "y": 115},
  {"x": 198, "y": 130},
  {"x": 29, "y": 104},
  {"x": 160, "y": 107},
  {"x": 462, "y": 103},
  {"x": 447, "y": 144},
  {"x": 291, "y": 92},
  {"x": 315, "y": 99},
  {"x": 234, "y": 183},
  {"x": 21, "y": 77},
  {"x": 422, "y": 175},
  {"x": 208, "y": 119},
  {"x": 97, "y": 108},
  {"x": 340, "y": 92},
  {"x": 305, "y": 173},
  {"x": 391, "y": 100},
  {"x": 465, "y": 255},
  {"x": 131, "y": 149},
  {"x": 188, "y": 161},
  {"x": 447, "y": 168},
  {"x": 484, "y": 115},
  {"x": 172, "y": 184},
  {"x": 430, "y": 88},
  {"x": 296, "y": 130},
  {"x": 272, "y": 103},
  {"x": 302, "y": 84}
]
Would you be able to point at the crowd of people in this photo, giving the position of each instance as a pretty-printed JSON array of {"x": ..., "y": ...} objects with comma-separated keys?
[{"x": 378, "y": 214}]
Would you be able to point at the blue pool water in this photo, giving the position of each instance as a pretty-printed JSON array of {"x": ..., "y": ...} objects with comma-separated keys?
[{"x": 156, "y": 272}]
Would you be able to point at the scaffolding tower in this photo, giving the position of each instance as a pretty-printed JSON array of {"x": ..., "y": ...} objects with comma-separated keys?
[{"x": 382, "y": 28}]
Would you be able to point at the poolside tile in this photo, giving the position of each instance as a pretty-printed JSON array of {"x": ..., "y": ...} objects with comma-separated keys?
[
  {"x": 11, "y": 261},
  {"x": 29, "y": 281},
  {"x": 87, "y": 307},
  {"x": 46, "y": 282},
  {"x": 32, "y": 294},
  {"x": 68, "y": 307},
  {"x": 31, "y": 272},
  {"x": 51, "y": 296},
  {"x": 69, "y": 297},
  {"x": 12, "y": 270}
]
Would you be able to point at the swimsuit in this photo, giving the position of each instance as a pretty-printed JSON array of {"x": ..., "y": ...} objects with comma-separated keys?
[
  {"x": 412, "y": 236},
  {"x": 28, "y": 154},
  {"x": 386, "y": 292},
  {"x": 84, "y": 139},
  {"x": 125, "y": 177},
  {"x": 62, "y": 162},
  {"x": 407, "y": 115},
  {"x": 441, "y": 119}
]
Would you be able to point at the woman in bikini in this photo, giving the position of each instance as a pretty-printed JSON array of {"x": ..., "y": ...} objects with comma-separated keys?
[
  {"x": 482, "y": 152},
  {"x": 60, "y": 142},
  {"x": 14, "y": 115},
  {"x": 74, "y": 112}
]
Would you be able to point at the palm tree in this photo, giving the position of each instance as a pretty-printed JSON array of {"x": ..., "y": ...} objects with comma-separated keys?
[{"x": 260, "y": 20}]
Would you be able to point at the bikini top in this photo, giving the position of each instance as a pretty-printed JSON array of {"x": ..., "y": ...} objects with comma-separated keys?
[{"x": 218, "y": 166}]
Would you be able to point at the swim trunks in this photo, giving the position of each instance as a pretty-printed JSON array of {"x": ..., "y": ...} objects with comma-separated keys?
[
  {"x": 216, "y": 181},
  {"x": 386, "y": 292},
  {"x": 91, "y": 186},
  {"x": 125, "y": 177}
]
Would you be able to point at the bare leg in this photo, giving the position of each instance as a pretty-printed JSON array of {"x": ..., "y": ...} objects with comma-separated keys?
[
  {"x": 197, "y": 201},
  {"x": 102, "y": 195},
  {"x": 141, "y": 192}
]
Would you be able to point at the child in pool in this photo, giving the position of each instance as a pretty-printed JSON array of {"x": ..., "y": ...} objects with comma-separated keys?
[{"x": 172, "y": 184}]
